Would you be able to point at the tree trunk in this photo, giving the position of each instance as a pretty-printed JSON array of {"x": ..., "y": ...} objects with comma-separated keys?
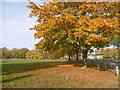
[
  {"x": 85, "y": 58},
  {"x": 76, "y": 56},
  {"x": 69, "y": 58}
]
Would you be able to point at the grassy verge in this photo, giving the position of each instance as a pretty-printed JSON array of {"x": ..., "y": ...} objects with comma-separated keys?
[{"x": 18, "y": 66}]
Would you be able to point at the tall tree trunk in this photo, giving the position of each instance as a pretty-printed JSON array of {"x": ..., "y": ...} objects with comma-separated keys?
[
  {"x": 69, "y": 58},
  {"x": 85, "y": 58},
  {"x": 77, "y": 56}
]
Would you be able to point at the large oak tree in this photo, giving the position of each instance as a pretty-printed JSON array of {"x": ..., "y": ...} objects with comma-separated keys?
[{"x": 75, "y": 26}]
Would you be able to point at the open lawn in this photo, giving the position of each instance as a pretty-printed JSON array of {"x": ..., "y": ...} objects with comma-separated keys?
[{"x": 53, "y": 74}]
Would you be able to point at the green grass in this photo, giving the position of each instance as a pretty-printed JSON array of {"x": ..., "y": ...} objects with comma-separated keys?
[
  {"x": 13, "y": 71},
  {"x": 19, "y": 66}
]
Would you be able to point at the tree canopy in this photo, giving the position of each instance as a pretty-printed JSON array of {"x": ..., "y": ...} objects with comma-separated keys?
[{"x": 74, "y": 27}]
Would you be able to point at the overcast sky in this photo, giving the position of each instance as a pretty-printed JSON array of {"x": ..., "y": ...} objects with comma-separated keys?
[{"x": 15, "y": 26}]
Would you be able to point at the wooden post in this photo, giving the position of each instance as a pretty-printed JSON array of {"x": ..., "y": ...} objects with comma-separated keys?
[
  {"x": 118, "y": 75},
  {"x": 98, "y": 66},
  {"x": 106, "y": 67},
  {"x": 117, "y": 71}
]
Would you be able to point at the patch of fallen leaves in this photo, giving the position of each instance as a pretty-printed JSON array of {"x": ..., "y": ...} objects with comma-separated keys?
[{"x": 67, "y": 76}]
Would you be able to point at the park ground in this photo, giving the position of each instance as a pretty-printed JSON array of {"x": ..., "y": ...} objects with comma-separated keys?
[{"x": 54, "y": 74}]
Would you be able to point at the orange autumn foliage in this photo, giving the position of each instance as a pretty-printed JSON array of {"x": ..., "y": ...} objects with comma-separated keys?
[{"x": 79, "y": 25}]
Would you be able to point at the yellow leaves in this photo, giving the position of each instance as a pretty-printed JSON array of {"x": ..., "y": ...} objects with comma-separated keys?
[
  {"x": 35, "y": 27},
  {"x": 84, "y": 18},
  {"x": 68, "y": 17},
  {"x": 103, "y": 25},
  {"x": 40, "y": 43},
  {"x": 79, "y": 33},
  {"x": 53, "y": 3},
  {"x": 106, "y": 39},
  {"x": 31, "y": 2},
  {"x": 98, "y": 22},
  {"x": 84, "y": 21},
  {"x": 90, "y": 6},
  {"x": 117, "y": 14},
  {"x": 49, "y": 22},
  {"x": 81, "y": 12},
  {"x": 88, "y": 42},
  {"x": 67, "y": 21},
  {"x": 93, "y": 39},
  {"x": 31, "y": 28},
  {"x": 39, "y": 34}
]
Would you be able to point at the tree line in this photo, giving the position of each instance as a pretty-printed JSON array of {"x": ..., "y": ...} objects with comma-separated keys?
[
  {"x": 25, "y": 53},
  {"x": 13, "y": 53}
]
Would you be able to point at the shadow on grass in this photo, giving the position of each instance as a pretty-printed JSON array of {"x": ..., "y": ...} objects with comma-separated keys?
[
  {"x": 24, "y": 67},
  {"x": 17, "y": 78}
]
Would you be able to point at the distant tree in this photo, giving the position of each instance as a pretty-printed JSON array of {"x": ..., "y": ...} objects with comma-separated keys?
[
  {"x": 0, "y": 53},
  {"x": 14, "y": 53},
  {"x": 115, "y": 41},
  {"x": 34, "y": 54},
  {"x": 4, "y": 50},
  {"x": 22, "y": 53},
  {"x": 111, "y": 52}
]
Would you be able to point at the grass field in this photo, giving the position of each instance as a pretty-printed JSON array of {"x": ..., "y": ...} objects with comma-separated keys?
[{"x": 53, "y": 74}]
